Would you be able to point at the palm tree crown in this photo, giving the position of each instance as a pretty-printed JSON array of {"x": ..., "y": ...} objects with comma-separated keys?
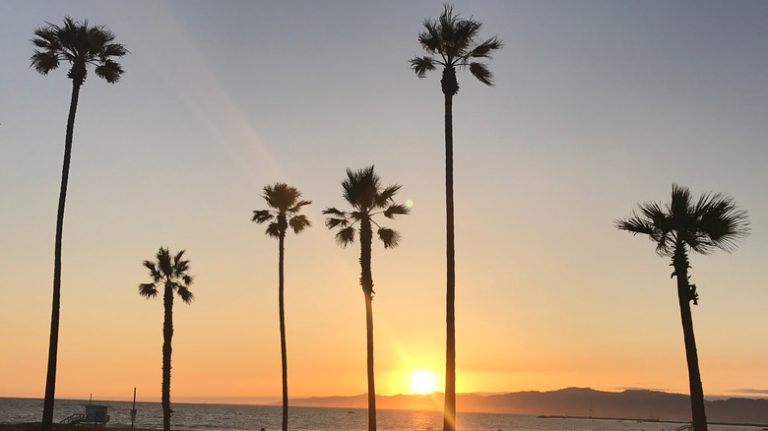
[
  {"x": 451, "y": 42},
  {"x": 285, "y": 202},
  {"x": 364, "y": 192},
  {"x": 713, "y": 222},
  {"x": 78, "y": 44},
  {"x": 170, "y": 271}
]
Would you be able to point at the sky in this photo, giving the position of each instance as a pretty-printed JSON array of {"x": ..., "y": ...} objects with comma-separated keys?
[{"x": 598, "y": 105}]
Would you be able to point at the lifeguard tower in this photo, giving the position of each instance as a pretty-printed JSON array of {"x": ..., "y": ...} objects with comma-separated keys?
[{"x": 96, "y": 414}]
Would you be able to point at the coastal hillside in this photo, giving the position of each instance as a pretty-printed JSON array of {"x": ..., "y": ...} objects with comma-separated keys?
[{"x": 584, "y": 402}]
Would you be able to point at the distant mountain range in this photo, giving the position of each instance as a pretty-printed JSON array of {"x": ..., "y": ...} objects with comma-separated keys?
[{"x": 581, "y": 402}]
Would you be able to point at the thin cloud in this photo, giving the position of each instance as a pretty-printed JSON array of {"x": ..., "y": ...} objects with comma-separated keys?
[
  {"x": 636, "y": 388},
  {"x": 752, "y": 391}
]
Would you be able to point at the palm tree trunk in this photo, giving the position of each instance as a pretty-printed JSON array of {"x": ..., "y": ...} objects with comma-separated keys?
[
  {"x": 449, "y": 410},
  {"x": 281, "y": 281},
  {"x": 680, "y": 262},
  {"x": 366, "y": 280},
  {"x": 167, "y": 335},
  {"x": 369, "y": 350},
  {"x": 53, "y": 342}
]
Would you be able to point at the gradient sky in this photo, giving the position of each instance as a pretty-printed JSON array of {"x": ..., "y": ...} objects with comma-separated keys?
[{"x": 598, "y": 105}]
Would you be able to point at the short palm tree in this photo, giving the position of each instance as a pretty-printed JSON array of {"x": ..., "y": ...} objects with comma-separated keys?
[
  {"x": 367, "y": 197},
  {"x": 285, "y": 203},
  {"x": 171, "y": 274},
  {"x": 451, "y": 43},
  {"x": 79, "y": 45},
  {"x": 713, "y": 222}
]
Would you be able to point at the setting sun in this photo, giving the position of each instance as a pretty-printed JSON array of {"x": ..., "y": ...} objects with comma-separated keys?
[{"x": 423, "y": 381}]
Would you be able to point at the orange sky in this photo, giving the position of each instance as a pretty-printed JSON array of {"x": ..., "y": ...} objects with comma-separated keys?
[{"x": 549, "y": 294}]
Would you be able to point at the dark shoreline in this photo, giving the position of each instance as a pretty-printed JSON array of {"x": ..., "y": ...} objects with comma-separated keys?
[
  {"x": 670, "y": 421},
  {"x": 35, "y": 426}
]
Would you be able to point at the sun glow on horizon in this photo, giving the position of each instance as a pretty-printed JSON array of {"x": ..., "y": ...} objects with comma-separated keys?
[{"x": 423, "y": 381}]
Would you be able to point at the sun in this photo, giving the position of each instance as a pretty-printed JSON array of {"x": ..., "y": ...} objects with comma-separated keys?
[{"x": 422, "y": 381}]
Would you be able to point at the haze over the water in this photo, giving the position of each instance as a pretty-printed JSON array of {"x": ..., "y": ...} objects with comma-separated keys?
[{"x": 597, "y": 105}]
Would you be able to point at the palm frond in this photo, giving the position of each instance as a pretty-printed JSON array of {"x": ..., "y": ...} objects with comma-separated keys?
[
  {"x": 153, "y": 272},
  {"x": 445, "y": 25},
  {"x": 180, "y": 268},
  {"x": 653, "y": 211},
  {"x": 184, "y": 294},
  {"x": 299, "y": 223},
  {"x": 385, "y": 196},
  {"x": 395, "y": 209},
  {"x": 422, "y": 65},
  {"x": 486, "y": 48},
  {"x": 651, "y": 222},
  {"x": 361, "y": 187},
  {"x": 637, "y": 225},
  {"x": 187, "y": 280},
  {"x": 44, "y": 61},
  {"x": 178, "y": 256},
  {"x": 334, "y": 211},
  {"x": 296, "y": 208},
  {"x": 110, "y": 71},
  {"x": 261, "y": 216},
  {"x": 273, "y": 230},
  {"x": 47, "y": 38},
  {"x": 180, "y": 265},
  {"x": 333, "y": 222},
  {"x": 430, "y": 37},
  {"x": 97, "y": 40},
  {"x": 113, "y": 50},
  {"x": 147, "y": 290},
  {"x": 481, "y": 72},
  {"x": 345, "y": 236},
  {"x": 464, "y": 33},
  {"x": 680, "y": 206},
  {"x": 283, "y": 197},
  {"x": 389, "y": 237},
  {"x": 164, "y": 262},
  {"x": 721, "y": 223}
]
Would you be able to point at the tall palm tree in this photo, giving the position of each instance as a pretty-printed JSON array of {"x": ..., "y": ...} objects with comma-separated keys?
[
  {"x": 451, "y": 43},
  {"x": 284, "y": 203},
  {"x": 367, "y": 197},
  {"x": 79, "y": 45},
  {"x": 713, "y": 222},
  {"x": 171, "y": 273}
]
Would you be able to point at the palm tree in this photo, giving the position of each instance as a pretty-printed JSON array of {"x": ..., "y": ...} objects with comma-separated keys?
[
  {"x": 713, "y": 222},
  {"x": 79, "y": 45},
  {"x": 172, "y": 274},
  {"x": 450, "y": 42},
  {"x": 367, "y": 197},
  {"x": 284, "y": 203}
]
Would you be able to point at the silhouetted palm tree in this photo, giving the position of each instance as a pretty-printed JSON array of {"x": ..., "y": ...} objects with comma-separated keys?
[
  {"x": 171, "y": 274},
  {"x": 79, "y": 45},
  {"x": 285, "y": 205},
  {"x": 451, "y": 43},
  {"x": 713, "y": 222},
  {"x": 365, "y": 194}
]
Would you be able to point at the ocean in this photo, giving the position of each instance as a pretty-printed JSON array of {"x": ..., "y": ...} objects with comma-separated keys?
[{"x": 223, "y": 417}]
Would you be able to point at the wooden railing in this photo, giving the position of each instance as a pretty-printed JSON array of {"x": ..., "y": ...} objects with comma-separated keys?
[{"x": 73, "y": 419}]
